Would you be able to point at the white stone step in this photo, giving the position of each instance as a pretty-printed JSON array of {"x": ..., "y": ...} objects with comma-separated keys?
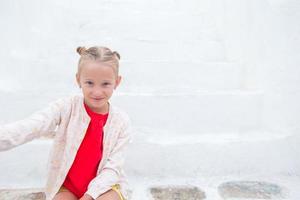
[
  {"x": 181, "y": 75},
  {"x": 200, "y": 111},
  {"x": 162, "y": 156},
  {"x": 165, "y": 155}
]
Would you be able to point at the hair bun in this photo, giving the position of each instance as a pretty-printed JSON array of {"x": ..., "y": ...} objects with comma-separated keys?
[
  {"x": 117, "y": 54},
  {"x": 80, "y": 50}
]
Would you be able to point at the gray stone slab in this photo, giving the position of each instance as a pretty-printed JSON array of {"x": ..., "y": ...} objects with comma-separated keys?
[
  {"x": 22, "y": 194},
  {"x": 28, "y": 194},
  {"x": 250, "y": 190},
  {"x": 177, "y": 193}
]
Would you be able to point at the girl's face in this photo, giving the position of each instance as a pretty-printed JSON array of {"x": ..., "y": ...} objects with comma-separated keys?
[{"x": 98, "y": 81}]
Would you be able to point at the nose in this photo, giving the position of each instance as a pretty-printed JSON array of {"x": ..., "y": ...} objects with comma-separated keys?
[{"x": 98, "y": 92}]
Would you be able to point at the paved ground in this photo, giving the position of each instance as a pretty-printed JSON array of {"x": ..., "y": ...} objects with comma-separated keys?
[{"x": 238, "y": 190}]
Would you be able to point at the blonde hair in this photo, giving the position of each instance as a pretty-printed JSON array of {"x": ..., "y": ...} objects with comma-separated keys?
[{"x": 99, "y": 54}]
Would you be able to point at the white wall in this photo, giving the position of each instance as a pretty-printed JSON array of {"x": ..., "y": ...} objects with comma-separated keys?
[
  {"x": 264, "y": 36},
  {"x": 187, "y": 46},
  {"x": 222, "y": 68}
]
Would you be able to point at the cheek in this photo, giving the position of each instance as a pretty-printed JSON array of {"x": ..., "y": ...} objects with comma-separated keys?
[
  {"x": 109, "y": 90},
  {"x": 86, "y": 89}
]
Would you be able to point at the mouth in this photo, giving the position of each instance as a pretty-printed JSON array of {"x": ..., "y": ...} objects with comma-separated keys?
[{"x": 97, "y": 99}]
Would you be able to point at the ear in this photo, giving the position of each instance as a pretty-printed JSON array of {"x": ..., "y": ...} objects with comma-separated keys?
[
  {"x": 118, "y": 81},
  {"x": 78, "y": 79}
]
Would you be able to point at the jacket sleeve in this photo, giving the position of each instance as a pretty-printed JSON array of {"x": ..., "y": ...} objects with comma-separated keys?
[
  {"x": 38, "y": 124},
  {"x": 110, "y": 174}
]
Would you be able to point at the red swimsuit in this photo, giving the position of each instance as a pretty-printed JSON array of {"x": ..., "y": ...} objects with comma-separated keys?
[{"x": 89, "y": 154}]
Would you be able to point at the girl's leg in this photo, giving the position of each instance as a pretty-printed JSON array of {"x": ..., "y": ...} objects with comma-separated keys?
[
  {"x": 64, "y": 194},
  {"x": 109, "y": 195},
  {"x": 113, "y": 194}
]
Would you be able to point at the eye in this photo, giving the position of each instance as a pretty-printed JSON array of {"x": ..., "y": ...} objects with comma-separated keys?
[
  {"x": 106, "y": 83},
  {"x": 89, "y": 82}
]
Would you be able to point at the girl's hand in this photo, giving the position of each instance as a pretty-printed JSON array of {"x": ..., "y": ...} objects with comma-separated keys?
[{"x": 86, "y": 197}]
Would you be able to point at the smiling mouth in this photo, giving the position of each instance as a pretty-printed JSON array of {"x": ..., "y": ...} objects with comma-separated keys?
[{"x": 97, "y": 99}]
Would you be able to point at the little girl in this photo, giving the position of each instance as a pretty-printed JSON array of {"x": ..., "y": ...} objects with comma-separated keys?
[{"x": 90, "y": 134}]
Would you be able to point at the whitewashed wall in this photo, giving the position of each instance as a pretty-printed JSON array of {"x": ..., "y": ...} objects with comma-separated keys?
[{"x": 193, "y": 71}]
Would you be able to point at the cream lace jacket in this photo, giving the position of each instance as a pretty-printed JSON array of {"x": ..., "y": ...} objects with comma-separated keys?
[{"x": 67, "y": 121}]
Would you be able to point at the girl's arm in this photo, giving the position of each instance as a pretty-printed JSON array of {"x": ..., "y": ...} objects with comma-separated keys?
[
  {"x": 110, "y": 173},
  {"x": 36, "y": 125}
]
